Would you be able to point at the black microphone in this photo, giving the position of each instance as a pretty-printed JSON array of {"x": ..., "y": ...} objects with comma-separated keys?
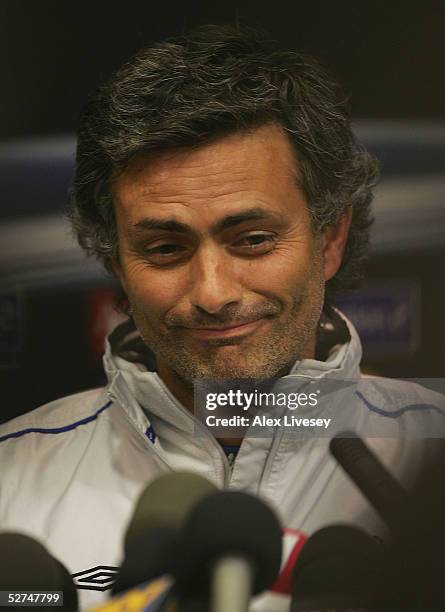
[
  {"x": 386, "y": 495},
  {"x": 416, "y": 521},
  {"x": 230, "y": 550},
  {"x": 150, "y": 544},
  {"x": 341, "y": 568},
  {"x": 26, "y": 565},
  {"x": 148, "y": 558}
]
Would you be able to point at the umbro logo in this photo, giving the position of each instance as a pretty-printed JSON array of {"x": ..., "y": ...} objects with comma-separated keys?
[{"x": 99, "y": 578}]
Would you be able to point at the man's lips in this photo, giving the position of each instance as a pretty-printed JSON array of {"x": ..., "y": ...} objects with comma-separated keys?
[{"x": 226, "y": 331}]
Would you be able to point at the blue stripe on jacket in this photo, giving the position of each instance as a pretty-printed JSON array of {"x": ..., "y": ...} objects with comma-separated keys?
[{"x": 56, "y": 430}]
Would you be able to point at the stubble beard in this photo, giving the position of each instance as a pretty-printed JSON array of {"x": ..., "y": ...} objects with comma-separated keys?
[{"x": 270, "y": 354}]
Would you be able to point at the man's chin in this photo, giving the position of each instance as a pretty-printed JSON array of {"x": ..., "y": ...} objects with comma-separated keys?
[{"x": 230, "y": 366}]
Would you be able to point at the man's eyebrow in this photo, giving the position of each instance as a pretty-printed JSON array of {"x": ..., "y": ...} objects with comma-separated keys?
[
  {"x": 252, "y": 214},
  {"x": 172, "y": 225},
  {"x": 169, "y": 225}
]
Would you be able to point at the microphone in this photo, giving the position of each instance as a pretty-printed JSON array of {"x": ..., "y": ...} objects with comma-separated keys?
[
  {"x": 166, "y": 501},
  {"x": 28, "y": 566},
  {"x": 150, "y": 543},
  {"x": 231, "y": 548},
  {"x": 146, "y": 559},
  {"x": 419, "y": 551},
  {"x": 340, "y": 568},
  {"x": 159, "y": 594},
  {"x": 414, "y": 542},
  {"x": 386, "y": 495}
]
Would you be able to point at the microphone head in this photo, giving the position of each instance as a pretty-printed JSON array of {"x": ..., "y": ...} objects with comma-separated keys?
[
  {"x": 166, "y": 502},
  {"x": 150, "y": 543},
  {"x": 27, "y": 565},
  {"x": 339, "y": 566},
  {"x": 229, "y": 523},
  {"x": 148, "y": 558}
]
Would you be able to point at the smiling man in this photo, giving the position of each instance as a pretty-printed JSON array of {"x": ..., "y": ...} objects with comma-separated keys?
[
  {"x": 218, "y": 258},
  {"x": 218, "y": 179}
]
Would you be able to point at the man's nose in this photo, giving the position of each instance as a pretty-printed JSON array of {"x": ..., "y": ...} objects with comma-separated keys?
[{"x": 214, "y": 284}]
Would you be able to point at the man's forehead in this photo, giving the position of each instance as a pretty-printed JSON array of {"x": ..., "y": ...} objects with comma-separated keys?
[{"x": 250, "y": 157}]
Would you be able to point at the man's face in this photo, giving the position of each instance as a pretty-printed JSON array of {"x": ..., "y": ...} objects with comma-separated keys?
[{"x": 216, "y": 254}]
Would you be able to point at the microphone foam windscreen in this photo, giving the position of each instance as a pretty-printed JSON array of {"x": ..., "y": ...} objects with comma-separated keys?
[
  {"x": 148, "y": 558},
  {"x": 151, "y": 539},
  {"x": 166, "y": 502},
  {"x": 26, "y": 565},
  {"x": 231, "y": 523},
  {"x": 339, "y": 565}
]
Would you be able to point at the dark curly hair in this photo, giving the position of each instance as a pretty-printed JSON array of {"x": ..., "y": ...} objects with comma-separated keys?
[{"x": 214, "y": 81}]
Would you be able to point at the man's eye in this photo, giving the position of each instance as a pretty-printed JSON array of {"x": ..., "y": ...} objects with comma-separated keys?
[
  {"x": 164, "y": 250},
  {"x": 256, "y": 242}
]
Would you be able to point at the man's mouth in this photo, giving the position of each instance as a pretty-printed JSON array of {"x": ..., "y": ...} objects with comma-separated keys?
[{"x": 226, "y": 331}]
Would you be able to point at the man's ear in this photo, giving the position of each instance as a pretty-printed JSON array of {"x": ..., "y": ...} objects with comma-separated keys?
[{"x": 335, "y": 237}]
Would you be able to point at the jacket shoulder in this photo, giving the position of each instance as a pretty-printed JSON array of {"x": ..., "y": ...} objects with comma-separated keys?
[
  {"x": 58, "y": 415},
  {"x": 404, "y": 401},
  {"x": 401, "y": 393}
]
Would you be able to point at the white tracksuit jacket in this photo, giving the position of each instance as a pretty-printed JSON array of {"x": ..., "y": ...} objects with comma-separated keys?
[{"x": 71, "y": 471}]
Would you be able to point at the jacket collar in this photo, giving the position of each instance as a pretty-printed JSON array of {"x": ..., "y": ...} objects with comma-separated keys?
[{"x": 130, "y": 368}]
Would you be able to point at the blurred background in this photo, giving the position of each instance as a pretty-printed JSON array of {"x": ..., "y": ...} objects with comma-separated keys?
[{"x": 56, "y": 307}]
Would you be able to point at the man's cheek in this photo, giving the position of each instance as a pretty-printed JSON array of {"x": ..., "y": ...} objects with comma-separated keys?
[
  {"x": 146, "y": 311},
  {"x": 148, "y": 295}
]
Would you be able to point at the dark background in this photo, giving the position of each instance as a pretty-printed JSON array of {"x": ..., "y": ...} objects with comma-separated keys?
[{"x": 388, "y": 55}]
